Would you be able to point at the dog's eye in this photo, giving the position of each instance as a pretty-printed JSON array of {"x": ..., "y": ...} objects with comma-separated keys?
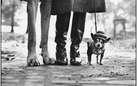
[
  {"x": 97, "y": 40},
  {"x": 101, "y": 41}
]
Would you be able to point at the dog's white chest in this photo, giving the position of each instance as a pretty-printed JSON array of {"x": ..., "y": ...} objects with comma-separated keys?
[{"x": 97, "y": 51}]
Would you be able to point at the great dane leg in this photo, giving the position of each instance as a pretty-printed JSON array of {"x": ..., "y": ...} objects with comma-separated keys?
[
  {"x": 32, "y": 11},
  {"x": 45, "y": 9}
]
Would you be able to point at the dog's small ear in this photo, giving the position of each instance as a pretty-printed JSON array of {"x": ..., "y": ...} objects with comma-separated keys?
[
  {"x": 92, "y": 36},
  {"x": 107, "y": 40}
]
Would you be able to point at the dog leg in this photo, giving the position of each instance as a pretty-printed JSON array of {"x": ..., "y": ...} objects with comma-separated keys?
[
  {"x": 89, "y": 60},
  {"x": 97, "y": 59},
  {"x": 101, "y": 57},
  {"x": 32, "y": 6},
  {"x": 89, "y": 56},
  {"x": 45, "y": 9}
]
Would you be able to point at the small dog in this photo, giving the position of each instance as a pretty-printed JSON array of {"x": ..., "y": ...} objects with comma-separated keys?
[{"x": 97, "y": 46}]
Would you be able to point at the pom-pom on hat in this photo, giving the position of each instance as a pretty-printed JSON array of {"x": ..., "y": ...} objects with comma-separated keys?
[{"x": 101, "y": 35}]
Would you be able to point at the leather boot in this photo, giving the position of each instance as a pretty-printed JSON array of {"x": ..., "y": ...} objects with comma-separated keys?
[
  {"x": 61, "y": 56},
  {"x": 77, "y": 31},
  {"x": 62, "y": 25},
  {"x": 74, "y": 56}
]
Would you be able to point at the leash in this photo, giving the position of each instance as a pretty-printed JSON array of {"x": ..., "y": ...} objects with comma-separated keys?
[
  {"x": 95, "y": 16},
  {"x": 95, "y": 22}
]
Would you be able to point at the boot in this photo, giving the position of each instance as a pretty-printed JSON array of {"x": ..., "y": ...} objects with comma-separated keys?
[
  {"x": 77, "y": 31},
  {"x": 61, "y": 56},
  {"x": 74, "y": 56},
  {"x": 62, "y": 25}
]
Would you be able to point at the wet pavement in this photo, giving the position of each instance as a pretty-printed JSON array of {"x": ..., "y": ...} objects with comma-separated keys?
[{"x": 54, "y": 76}]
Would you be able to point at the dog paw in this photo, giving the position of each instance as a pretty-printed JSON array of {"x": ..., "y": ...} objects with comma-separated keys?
[
  {"x": 100, "y": 64},
  {"x": 32, "y": 60},
  {"x": 89, "y": 63},
  {"x": 49, "y": 61}
]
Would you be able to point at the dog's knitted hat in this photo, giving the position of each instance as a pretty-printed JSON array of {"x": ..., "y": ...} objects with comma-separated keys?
[{"x": 101, "y": 35}]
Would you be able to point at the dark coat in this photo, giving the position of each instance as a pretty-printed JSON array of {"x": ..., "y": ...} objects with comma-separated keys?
[{"x": 91, "y": 6}]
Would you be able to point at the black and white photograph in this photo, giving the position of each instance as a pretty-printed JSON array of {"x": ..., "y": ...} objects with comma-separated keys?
[{"x": 68, "y": 42}]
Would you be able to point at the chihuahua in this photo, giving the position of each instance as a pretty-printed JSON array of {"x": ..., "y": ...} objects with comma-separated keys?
[{"x": 97, "y": 46}]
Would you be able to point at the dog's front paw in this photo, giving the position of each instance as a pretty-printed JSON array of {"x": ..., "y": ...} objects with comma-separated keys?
[
  {"x": 89, "y": 63},
  {"x": 46, "y": 59},
  {"x": 49, "y": 61},
  {"x": 100, "y": 64},
  {"x": 32, "y": 60}
]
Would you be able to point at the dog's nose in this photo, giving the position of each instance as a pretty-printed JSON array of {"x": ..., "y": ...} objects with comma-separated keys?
[{"x": 98, "y": 45}]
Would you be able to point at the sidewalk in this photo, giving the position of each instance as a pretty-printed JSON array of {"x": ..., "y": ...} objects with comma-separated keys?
[
  {"x": 50, "y": 76},
  {"x": 118, "y": 68}
]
